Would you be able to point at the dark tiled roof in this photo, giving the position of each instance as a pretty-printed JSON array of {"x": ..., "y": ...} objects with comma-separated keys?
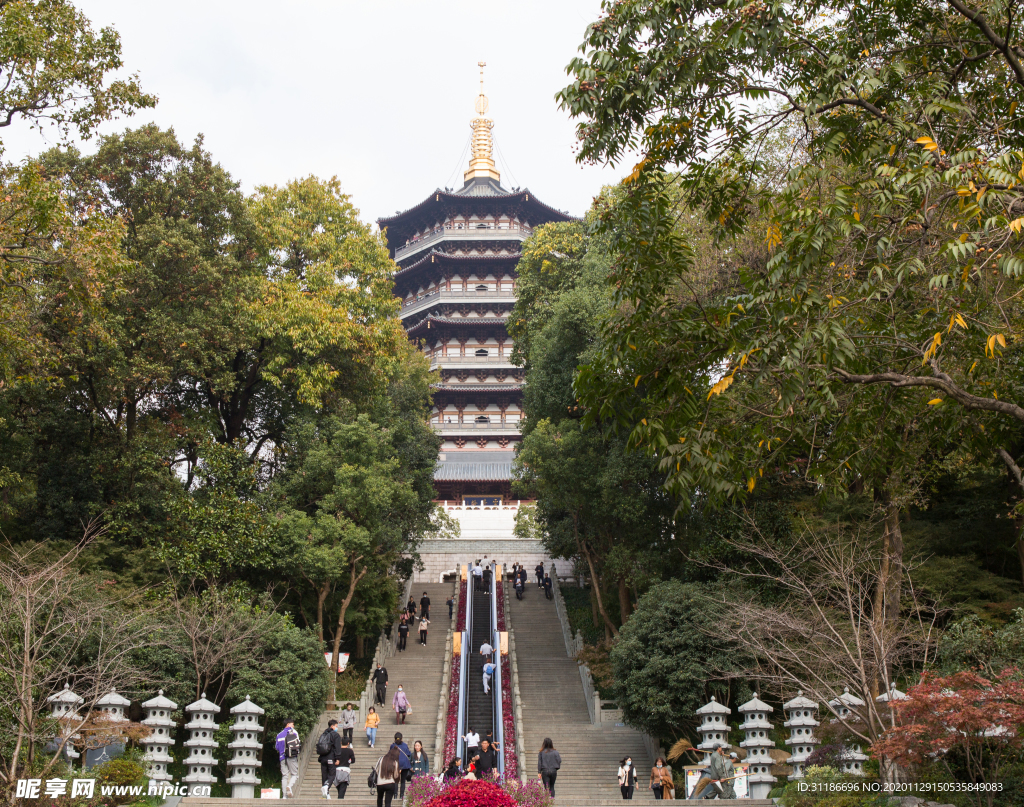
[
  {"x": 474, "y": 322},
  {"x": 473, "y": 471},
  {"x": 443, "y": 257}
]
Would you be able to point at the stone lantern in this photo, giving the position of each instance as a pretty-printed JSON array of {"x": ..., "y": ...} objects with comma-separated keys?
[
  {"x": 110, "y": 709},
  {"x": 161, "y": 736},
  {"x": 200, "y": 743},
  {"x": 801, "y": 725},
  {"x": 845, "y": 706},
  {"x": 893, "y": 694},
  {"x": 714, "y": 727},
  {"x": 246, "y": 746},
  {"x": 759, "y": 765},
  {"x": 64, "y": 708}
]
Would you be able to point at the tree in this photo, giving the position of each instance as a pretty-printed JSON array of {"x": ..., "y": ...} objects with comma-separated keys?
[
  {"x": 58, "y": 628},
  {"x": 57, "y": 69},
  {"x": 970, "y": 722},
  {"x": 806, "y": 622},
  {"x": 667, "y": 662},
  {"x": 878, "y": 312},
  {"x": 353, "y": 501}
]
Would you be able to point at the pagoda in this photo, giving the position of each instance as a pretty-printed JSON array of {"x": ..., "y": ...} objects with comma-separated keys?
[{"x": 457, "y": 252}]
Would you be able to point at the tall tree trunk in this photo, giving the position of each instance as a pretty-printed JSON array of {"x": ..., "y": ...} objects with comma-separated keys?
[
  {"x": 1015, "y": 472},
  {"x": 596, "y": 583},
  {"x": 360, "y": 647},
  {"x": 594, "y": 615},
  {"x": 352, "y": 582},
  {"x": 321, "y": 597},
  {"x": 625, "y": 605}
]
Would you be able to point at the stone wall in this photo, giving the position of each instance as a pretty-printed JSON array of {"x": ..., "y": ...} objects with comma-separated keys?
[{"x": 444, "y": 556}]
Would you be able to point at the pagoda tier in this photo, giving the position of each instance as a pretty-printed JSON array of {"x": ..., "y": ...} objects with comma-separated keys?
[{"x": 457, "y": 254}]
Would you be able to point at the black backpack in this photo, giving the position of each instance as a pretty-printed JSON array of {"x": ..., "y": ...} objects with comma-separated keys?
[{"x": 325, "y": 744}]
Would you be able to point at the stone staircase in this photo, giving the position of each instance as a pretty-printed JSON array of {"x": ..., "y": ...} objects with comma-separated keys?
[{"x": 554, "y": 706}]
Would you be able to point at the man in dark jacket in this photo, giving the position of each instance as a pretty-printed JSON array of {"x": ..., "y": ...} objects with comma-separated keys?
[
  {"x": 540, "y": 574},
  {"x": 403, "y": 634},
  {"x": 329, "y": 760},
  {"x": 425, "y": 606},
  {"x": 547, "y": 587},
  {"x": 380, "y": 682},
  {"x": 486, "y": 761},
  {"x": 404, "y": 762},
  {"x": 487, "y": 579}
]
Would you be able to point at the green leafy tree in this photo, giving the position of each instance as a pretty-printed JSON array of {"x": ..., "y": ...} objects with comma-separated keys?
[
  {"x": 670, "y": 659},
  {"x": 877, "y": 318}
]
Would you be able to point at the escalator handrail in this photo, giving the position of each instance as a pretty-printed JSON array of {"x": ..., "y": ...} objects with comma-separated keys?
[{"x": 499, "y": 725}]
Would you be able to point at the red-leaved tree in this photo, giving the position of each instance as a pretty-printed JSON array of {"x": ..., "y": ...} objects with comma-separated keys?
[{"x": 969, "y": 723}]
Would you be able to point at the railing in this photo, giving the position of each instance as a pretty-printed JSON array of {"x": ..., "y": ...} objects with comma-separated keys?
[
  {"x": 467, "y": 651},
  {"x": 446, "y": 680},
  {"x": 431, "y": 297},
  {"x": 455, "y": 428},
  {"x": 484, "y": 361},
  {"x": 499, "y": 723},
  {"x": 517, "y": 703},
  {"x": 472, "y": 232},
  {"x": 573, "y": 645}
]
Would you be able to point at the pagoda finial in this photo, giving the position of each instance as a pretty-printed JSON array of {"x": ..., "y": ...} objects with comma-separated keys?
[{"x": 481, "y": 164}]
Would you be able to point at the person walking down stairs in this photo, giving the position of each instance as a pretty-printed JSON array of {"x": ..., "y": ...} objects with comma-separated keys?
[
  {"x": 400, "y": 703},
  {"x": 627, "y": 778},
  {"x": 548, "y": 763},
  {"x": 380, "y": 682},
  {"x": 661, "y": 780},
  {"x": 403, "y": 632},
  {"x": 372, "y": 721},
  {"x": 348, "y": 723},
  {"x": 424, "y": 624},
  {"x": 404, "y": 763}
]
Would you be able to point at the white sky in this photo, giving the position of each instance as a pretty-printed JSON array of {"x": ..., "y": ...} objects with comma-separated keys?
[{"x": 377, "y": 92}]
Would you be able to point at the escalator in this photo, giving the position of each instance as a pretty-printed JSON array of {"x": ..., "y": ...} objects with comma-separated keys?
[{"x": 480, "y": 707}]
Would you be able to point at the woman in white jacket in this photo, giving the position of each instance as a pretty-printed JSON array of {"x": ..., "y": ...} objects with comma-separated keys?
[{"x": 627, "y": 778}]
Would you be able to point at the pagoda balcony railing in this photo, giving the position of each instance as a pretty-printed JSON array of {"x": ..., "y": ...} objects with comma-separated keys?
[
  {"x": 472, "y": 232},
  {"x": 462, "y": 428},
  {"x": 471, "y": 361},
  {"x": 429, "y": 298}
]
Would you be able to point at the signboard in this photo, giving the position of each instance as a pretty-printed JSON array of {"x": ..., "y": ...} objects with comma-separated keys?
[
  {"x": 342, "y": 660},
  {"x": 270, "y": 793}
]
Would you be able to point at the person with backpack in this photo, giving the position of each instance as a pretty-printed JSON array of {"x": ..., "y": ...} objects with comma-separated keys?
[
  {"x": 380, "y": 681},
  {"x": 372, "y": 721},
  {"x": 404, "y": 763},
  {"x": 400, "y": 703},
  {"x": 348, "y": 722},
  {"x": 384, "y": 777},
  {"x": 488, "y": 672},
  {"x": 289, "y": 746},
  {"x": 549, "y": 761},
  {"x": 343, "y": 774},
  {"x": 328, "y": 749}
]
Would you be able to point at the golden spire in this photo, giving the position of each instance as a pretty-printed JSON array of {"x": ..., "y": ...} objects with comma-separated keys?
[{"x": 481, "y": 164}]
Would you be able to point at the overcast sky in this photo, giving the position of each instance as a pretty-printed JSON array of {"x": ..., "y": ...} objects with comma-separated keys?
[{"x": 377, "y": 92}]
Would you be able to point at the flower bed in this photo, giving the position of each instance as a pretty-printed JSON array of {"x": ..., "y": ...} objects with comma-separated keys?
[
  {"x": 460, "y": 619},
  {"x": 451, "y": 728},
  {"x": 501, "y": 606},
  {"x": 426, "y": 791},
  {"x": 508, "y": 720}
]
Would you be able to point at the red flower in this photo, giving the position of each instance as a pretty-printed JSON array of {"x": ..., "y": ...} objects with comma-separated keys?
[{"x": 473, "y": 794}]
